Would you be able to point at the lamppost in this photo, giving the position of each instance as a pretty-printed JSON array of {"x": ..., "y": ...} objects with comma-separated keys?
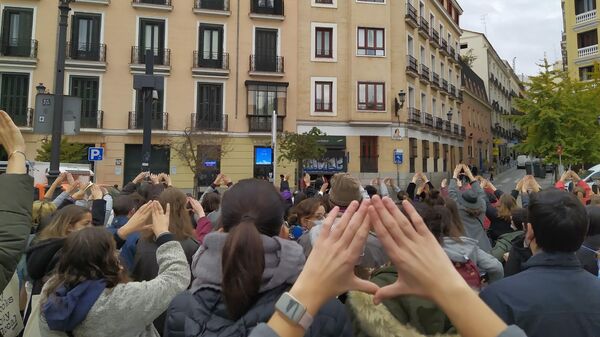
[
  {"x": 399, "y": 102},
  {"x": 59, "y": 85},
  {"x": 449, "y": 114}
]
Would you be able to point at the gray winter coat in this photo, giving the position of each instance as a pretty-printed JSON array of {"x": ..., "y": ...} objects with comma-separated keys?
[
  {"x": 459, "y": 251},
  {"x": 473, "y": 225},
  {"x": 128, "y": 309}
]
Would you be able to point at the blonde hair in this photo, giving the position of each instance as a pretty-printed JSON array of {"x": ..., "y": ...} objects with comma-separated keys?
[
  {"x": 62, "y": 222},
  {"x": 40, "y": 210},
  {"x": 505, "y": 206}
]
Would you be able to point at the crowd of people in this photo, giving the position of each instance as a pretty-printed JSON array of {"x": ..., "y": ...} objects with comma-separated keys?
[{"x": 333, "y": 258}]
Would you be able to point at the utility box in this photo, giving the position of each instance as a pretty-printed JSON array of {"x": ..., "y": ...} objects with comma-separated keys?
[{"x": 44, "y": 115}]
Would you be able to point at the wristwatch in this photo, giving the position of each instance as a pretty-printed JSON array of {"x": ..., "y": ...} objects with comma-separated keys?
[{"x": 288, "y": 306}]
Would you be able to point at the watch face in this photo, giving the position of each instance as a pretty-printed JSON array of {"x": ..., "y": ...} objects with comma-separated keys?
[{"x": 291, "y": 308}]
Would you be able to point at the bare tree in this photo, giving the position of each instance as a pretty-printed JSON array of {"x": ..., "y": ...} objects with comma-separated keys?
[{"x": 200, "y": 151}]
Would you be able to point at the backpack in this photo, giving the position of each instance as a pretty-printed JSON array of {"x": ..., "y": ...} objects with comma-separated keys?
[{"x": 469, "y": 272}]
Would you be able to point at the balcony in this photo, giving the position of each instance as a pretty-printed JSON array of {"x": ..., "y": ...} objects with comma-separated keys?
[
  {"x": 452, "y": 91},
  {"x": 95, "y": 52},
  {"x": 456, "y": 129},
  {"x": 411, "y": 17},
  {"x": 460, "y": 96},
  {"x": 447, "y": 126},
  {"x": 162, "y": 60},
  {"x": 439, "y": 123},
  {"x": 587, "y": 51},
  {"x": 264, "y": 123},
  {"x": 211, "y": 64},
  {"x": 414, "y": 116},
  {"x": 22, "y": 118},
  {"x": 217, "y": 7},
  {"x": 262, "y": 8},
  {"x": 585, "y": 17},
  {"x": 435, "y": 38},
  {"x": 266, "y": 65},
  {"x": 18, "y": 52},
  {"x": 452, "y": 53},
  {"x": 435, "y": 81},
  {"x": 428, "y": 120},
  {"x": 153, "y": 4},
  {"x": 92, "y": 119},
  {"x": 463, "y": 132},
  {"x": 412, "y": 68},
  {"x": 423, "y": 27},
  {"x": 425, "y": 75},
  {"x": 444, "y": 87},
  {"x": 205, "y": 122},
  {"x": 444, "y": 47},
  {"x": 160, "y": 121}
]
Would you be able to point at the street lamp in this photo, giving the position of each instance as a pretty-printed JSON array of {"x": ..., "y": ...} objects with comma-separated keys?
[
  {"x": 449, "y": 114},
  {"x": 41, "y": 88},
  {"x": 399, "y": 101}
]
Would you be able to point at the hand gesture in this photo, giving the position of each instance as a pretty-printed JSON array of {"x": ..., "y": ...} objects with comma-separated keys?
[
  {"x": 138, "y": 222},
  {"x": 287, "y": 177},
  {"x": 10, "y": 135},
  {"x": 154, "y": 179},
  {"x": 413, "y": 250},
  {"x": 306, "y": 179},
  {"x": 468, "y": 172},
  {"x": 386, "y": 181},
  {"x": 74, "y": 187},
  {"x": 416, "y": 177},
  {"x": 79, "y": 194},
  {"x": 196, "y": 206},
  {"x": 226, "y": 180},
  {"x": 565, "y": 176},
  {"x": 96, "y": 192},
  {"x": 424, "y": 177},
  {"x": 444, "y": 183},
  {"x": 59, "y": 180},
  {"x": 70, "y": 178},
  {"x": 520, "y": 183},
  {"x": 324, "y": 187},
  {"x": 575, "y": 177},
  {"x": 160, "y": 218},
  {"x": 140, "y": 177},
  {"x": 218, "y": 180},
  {"x": 457, "y": 170},
  {"x": 329, "y": 270}
]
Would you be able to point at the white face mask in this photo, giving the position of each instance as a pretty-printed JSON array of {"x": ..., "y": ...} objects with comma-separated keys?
[{"x": 317, "y": 223}]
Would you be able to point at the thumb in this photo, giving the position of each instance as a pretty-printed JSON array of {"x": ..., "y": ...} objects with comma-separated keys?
[{"x": 364, "y": 286}]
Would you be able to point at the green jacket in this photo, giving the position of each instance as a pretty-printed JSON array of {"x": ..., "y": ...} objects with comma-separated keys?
[
  {"x": 504, "y": 244},
  {"x": 404, "y": 316},
  {"x": 16, "y": 200}
]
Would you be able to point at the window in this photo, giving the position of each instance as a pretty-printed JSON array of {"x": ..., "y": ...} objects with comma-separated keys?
[
  {"x": 436, "y": 156},
  {"x": 413, "y": 154},
  {"x": 432, "y": 63},
  {"x": 425, "y": 154},
  {"x": 14, "y": 96},
  {"x": 371, "y": 96},
  {"x": 587, "y": 39},
  {"x": 152, "y": 36},
  {"x": 375, "y": 1},
  {"x": 423, "y": 102},
  {"x": 585, "y": 73},
  {"x": 263, "y": 99},
  {"x": 265, "y": 50},
  {"x": 433, "y": 106},
  {"x": 583, "y": 6},
  {"x": 323, "y": 96},
  {"x": 327, "y": 2},
  {"x": 324, "y": 42},
  {"x": 269, "y": 7},
  {"x": 157, "y": 110},
  {"x": 411, "y": 97},
  {"x": 17, "y": 32},
  {"x": 445, "y": 157},
  {"x": 368, "y": 154},
  {"x": 421, "y": 9},
  {"x": 87, "y": 87},
  {"x": 371, "y": 41},
  {"x": 85, "y": 37},
  {"x": 422, "y": 55},
  {"x": 209, "y": 107},
  {"x": 410, "y": 45},
  {"x": 211, "y": 46}
]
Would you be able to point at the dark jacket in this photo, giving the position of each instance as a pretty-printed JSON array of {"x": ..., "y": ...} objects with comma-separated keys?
[
  {"x": 42, "y": 257},
  {"x": 553, "y": 296},
  {"x": 504, "y": 244},
  {"x": 15, "y": 222},
  {"x": 498, "y": 225},
  {"x": 587, "y": 257},
  {"x": 517, "y": 256}
]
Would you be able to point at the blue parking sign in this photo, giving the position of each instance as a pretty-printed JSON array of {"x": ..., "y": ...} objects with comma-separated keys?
[
  {"x": 398, "y": 157},
  {"x": 95, "y": 153}
]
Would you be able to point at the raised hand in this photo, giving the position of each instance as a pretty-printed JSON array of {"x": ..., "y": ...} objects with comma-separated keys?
[
  {"x": 226, "y": 180},
  {"x": 10, "y": 136},
  {"x": 160, "y": 218},
  {"x": 218, "y": 180},
  {"x": 70, "y": 178},
  {"x": 196, "y": 206},
  {"x": 444, "y": 183},
  {"x": 324, "y": 187},
  {"x": 154, "y": 179},
  {"x": 79, "y": 194},
  {"x": 138, "y": 222},
  {"x": 140, "y": 177},
  {"x": 416, "y": 177},
  {"x": 457, "y": 170},
  {"x": 96, "y": 192}
]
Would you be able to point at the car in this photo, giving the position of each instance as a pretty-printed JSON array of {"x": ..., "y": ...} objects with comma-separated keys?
[
  {"x": 591, "y": 176},
  {"x": 521, "y": 161}
]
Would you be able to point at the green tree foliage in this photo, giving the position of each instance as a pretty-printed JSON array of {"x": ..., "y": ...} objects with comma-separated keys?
[
  {"x": 69, "y": 152},
  {"x": 298, "y": 148},
  {"x": 559, "y": 110}
]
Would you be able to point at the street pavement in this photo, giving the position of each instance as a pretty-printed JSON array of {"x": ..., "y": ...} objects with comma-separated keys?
[{"x": 507, "y": 180}]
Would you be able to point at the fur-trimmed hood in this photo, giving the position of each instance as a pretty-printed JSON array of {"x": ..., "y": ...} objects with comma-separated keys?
[{"x": 370, "y": 320}]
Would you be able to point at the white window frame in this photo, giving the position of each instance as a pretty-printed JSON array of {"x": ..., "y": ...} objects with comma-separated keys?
[
  {"x": 334, "y": 42},
  {"x": 334, "y": 95},
  {"x": 313, "y": 3},
  {"x": 370, "y": 2}
]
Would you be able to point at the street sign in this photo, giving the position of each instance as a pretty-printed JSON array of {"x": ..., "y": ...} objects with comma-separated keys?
[
  {"x": 398, "y": 157},
  {"x": 95, "y": 153},
  {"x": 44, "y": 114}
]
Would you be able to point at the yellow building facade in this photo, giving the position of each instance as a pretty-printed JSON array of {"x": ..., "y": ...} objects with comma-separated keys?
[
  {"x": 227, "y": 65},
  {"x": 580, "y": 37}
]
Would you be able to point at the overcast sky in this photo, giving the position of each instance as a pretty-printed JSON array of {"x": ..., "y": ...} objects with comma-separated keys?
[{"x": 525, "y": 29}]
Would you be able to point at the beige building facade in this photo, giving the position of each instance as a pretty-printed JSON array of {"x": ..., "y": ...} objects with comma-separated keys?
[
  {"x": 580, "y": 37},
  {"x": 227, "y": 65},
  {"x": 379, "y": 86}
]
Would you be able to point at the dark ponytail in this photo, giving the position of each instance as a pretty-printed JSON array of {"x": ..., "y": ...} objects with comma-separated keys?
[{"x": 243, "y": 264}]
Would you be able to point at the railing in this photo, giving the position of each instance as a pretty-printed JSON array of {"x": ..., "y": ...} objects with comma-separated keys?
[
  {"x": 444, "y": 85},
  {"x": 428, "y": 120},
  {"x": 423, "y": 25},
  {"x": 435, "y": 37},
  {"x": 411, "y": 64},
  {"x": 264, "y": 123},
  {"x": 215, "y": 5},
  {"x": 452, "y": 90},
  {"x": 211, "y": 60},
  {"x": 587, "y": 51},
  {"x": 414, "y": 116},
  {"x": 585, "y": 17},
  {"x": 153, "y": 2},
  {"x": 448, "y": 126},
  {"x": 267, "y": 63},
  {"x": 452, "y": 52},
  {"x": 463, "y": 131},
  {"x": 439, "y": 123},
  {"x": 456, "y": 129},
  {"x": 86, "y": 51},
  {"x": 443, "y": 45},
  {"x": 162, "y": 57},
  {"x": 160, "y": 120},
  {"x": 205, "y": 122},
  {"x": 435, "y": 79},
  {"x": 411, "y": 14},
  {"x": 424, "y": 72},
  {"x": 460, "y": 96},
  {"x": 92, "y": 119},
  {"x": 269, "y": 7},
  {"x": 19, "y": 48}
]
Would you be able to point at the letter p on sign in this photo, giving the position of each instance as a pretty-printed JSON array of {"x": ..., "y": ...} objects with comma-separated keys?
[{"x": 95, "y": 153}]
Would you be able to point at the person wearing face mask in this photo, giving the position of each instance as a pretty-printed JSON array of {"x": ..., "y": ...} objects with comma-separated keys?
[{"x": 304, "y": 216}]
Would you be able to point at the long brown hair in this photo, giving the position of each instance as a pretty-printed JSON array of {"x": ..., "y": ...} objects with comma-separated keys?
[
  {"x": 456, "y": 228},
  {"x": 62, "y": 222},
  {"x": 180, "y": 223},
  {"x": 303, "y": 210},
  {"x": 88, "y": 254},
  {"x": 505, "y": 206},
  {"x": 250, "y": 208}
]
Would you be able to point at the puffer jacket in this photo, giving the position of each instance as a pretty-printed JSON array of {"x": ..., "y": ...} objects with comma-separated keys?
[{"x": 202, "y": 310}]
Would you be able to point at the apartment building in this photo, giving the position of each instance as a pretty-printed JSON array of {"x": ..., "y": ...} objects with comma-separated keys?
[
  {"x": 376, "y": 84},
  {"x": 499, "y": 79},
  {"x": 476, "y": 116},
  {"x": 580, "y": 37},
  {"x": 227, "y": 66}
]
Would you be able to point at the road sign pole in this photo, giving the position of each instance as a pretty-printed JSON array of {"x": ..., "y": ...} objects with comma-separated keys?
[{"x": 147, "y": 114}]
